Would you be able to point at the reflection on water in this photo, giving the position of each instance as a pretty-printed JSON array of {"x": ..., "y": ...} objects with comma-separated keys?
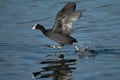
[
  {"x": 61, "y": 68},
  {"x": 57, "y": 69}
]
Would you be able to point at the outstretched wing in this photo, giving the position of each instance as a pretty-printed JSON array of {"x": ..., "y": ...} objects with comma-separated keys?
[{"x": 65, "y": 17}]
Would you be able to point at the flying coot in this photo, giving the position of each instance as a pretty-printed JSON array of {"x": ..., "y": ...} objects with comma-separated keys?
[{"x": 62, "y": 26}]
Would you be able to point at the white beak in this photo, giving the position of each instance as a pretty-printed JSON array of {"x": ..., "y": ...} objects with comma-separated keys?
[{"x": 34, "y": 27}]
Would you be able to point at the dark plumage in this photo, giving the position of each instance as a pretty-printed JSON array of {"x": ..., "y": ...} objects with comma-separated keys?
[{"x": 63, "y": 25}]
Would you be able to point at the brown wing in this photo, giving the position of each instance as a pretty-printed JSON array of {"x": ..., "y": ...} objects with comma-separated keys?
[{"x": 65, "y": 17}]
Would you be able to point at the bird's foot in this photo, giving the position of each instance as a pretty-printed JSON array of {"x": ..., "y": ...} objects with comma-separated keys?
[
  {"x": 55, "y": 46},
  {"x": 77, "y": 48}
]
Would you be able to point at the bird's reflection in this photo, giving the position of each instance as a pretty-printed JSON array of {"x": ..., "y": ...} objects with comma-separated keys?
[{"x": 57, "y": 69}]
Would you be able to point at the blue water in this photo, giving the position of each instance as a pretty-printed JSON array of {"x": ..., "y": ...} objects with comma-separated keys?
[{"x": 22, "y": 50}]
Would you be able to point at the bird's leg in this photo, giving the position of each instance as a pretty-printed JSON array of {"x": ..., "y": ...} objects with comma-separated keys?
[
  {"x": 56, "y": 46},
  {"x": 77, "y": 48}
]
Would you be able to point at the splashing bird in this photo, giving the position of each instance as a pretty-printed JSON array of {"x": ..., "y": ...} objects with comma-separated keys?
[{"x": 62, "y": 27}]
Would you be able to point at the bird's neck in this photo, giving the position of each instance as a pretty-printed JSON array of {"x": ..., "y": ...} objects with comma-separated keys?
[{"x": 43, "y": 30}]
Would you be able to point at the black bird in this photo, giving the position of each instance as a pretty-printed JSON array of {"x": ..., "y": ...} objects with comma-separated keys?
[{"x": 62, "y": 26}]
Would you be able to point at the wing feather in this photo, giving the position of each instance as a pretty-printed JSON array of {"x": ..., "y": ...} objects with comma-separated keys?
[{"x": 65, "y": 17}]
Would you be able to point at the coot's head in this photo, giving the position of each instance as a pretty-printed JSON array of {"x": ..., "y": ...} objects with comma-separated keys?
[{"x": 37, "y": 26}]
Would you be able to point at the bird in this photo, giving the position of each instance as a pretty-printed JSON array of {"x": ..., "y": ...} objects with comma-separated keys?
[{"x": 62, "y": 28}]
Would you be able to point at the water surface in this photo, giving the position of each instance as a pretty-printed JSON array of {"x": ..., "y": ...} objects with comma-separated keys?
[{"x": 22, "y": 50}]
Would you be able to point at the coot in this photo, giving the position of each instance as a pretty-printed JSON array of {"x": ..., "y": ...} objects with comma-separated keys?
[{"x": 62, "y": 26}]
